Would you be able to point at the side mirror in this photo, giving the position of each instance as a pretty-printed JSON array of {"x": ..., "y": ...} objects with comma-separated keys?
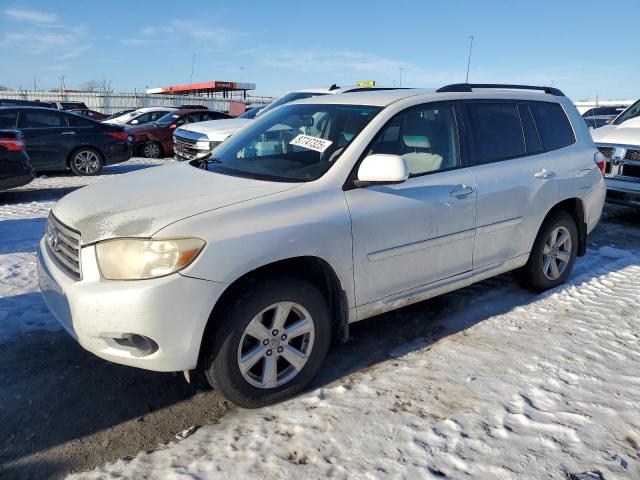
[
  {"x": 173, "y": 125},
  {"x": 134, "y": 122},
  {"x": 380, "y": 169}
]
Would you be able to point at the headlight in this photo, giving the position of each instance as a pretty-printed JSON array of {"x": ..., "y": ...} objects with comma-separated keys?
[{"x": 138, "y": 259}]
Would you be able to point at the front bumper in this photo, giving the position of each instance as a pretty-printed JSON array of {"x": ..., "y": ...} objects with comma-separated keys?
[
  {"x": 17, "y": 181},
  {"x": 623, "y": 192},
  {"x": 172, "y": 311}
]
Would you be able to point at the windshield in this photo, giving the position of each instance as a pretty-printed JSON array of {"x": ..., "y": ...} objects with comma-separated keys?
[
  {"x": 168, "y": 118},
  {"x": 632, "y": 112},
  {"x": 296, "y": 143},
  {"x": 251, "y": 113},
  {"x": 289, "y": 97}
]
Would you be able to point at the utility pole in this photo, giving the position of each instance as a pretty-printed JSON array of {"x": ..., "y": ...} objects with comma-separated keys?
[
  {"x": 62, "y": 77},
  {"x": 401, "y": 68},
  {"x": 469, "y": 60},
  {"x": 193, "y": 62}
]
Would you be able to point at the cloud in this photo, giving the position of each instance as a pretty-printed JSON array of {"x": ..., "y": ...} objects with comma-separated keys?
[
  {"x": 136, "y": 42},
  {"x": 199, "y": 31},
  {"x": 33, "y": 16}
]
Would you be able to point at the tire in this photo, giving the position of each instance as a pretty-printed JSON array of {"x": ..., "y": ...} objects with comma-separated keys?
[
  {"x": 259, "y": 303},
  {"x": 152, "y": 149},
  {"x": 538, "y": 275},
  {"x": 86, "y": 162}
]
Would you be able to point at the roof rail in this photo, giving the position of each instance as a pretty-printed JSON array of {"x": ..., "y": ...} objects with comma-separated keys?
[{"x": 469, "y": 87}]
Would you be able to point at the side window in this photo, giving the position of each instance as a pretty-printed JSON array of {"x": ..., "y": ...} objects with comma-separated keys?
[
  {"x": 495, "y": 132},
  {"x": 553, "y": 125},
  {"x": 144, "y": 118},
  {"x": 9, "y": 119},
  {"x": 156, "y": 115},
  {"x": 426, "y": 137},
  {"x": 531, "y": 137},
  {"x": 35, "y": 119}
]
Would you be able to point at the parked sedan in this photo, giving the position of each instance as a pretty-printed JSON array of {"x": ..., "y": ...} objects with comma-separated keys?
[
  {"x": 15, "y": 167},
  {"x": 155, "y": 139},
  {"x": 58, "y": 140},
  {"x": 141, "y": 116}
]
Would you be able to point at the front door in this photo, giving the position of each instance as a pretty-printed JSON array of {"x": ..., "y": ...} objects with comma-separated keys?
[
  {"x": 420, "y": 231},
  {"x": 46, "y": 135}
]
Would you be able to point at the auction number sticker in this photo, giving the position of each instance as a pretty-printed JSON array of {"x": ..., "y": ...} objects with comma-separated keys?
[{"x": 312, "y": 143}]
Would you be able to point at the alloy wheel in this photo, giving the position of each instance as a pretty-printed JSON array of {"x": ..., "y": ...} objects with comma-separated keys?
[
  {"x": 556, "y": 253},
  {"x": 151, "y": 150},
  {"x": 276, "y": 345},
  {"x": 86, "y": 162}
]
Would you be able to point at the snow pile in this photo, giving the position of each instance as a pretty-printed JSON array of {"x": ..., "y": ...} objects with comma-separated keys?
[{"x": 536, "y": 388}]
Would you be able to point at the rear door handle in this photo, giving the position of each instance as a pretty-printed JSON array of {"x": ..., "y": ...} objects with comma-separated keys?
[
  {"x": 462, "y": 191},
  {"x": 68, "y": 133},
  {"x": 543, "y": 173}
]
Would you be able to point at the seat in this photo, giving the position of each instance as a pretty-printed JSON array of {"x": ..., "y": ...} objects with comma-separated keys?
[{"x": 418, "y": 152}]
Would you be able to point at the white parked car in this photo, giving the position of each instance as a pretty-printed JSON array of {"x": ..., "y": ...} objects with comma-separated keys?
[
  {"x": 140, "y": 116},
  {"x": 198, "y": 140},
  {"x": 320, "y": 213},
  {"x": 619, "y": 142}
]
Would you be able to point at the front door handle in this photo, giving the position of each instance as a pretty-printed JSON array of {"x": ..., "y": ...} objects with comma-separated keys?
[
  {"x": 68, "y": 133},
  {"x": 462, "y": 191},
  {"x": 543, "y": 173}
]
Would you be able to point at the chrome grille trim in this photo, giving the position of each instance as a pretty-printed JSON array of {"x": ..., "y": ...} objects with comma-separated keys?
[{"x": 65, "y": 249}]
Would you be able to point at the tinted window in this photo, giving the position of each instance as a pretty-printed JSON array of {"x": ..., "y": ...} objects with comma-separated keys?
[
  {"x": 213, "y": 115},
  {"x": 553, "y": 125},
  {"x": 496, "y": 131},
  {"x": 8, "y": 119},
  {"x": 426, "y": 137},
  {"x": 77, "y": 121},
  {"x": 632, "y": 112},
  {"x": 531, "y": 137},
  {"x": 43, "y": 120}
]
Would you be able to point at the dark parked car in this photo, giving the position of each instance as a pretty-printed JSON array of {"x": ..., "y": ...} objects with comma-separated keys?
[
  {"x": 155, "y": 139},
  {"x": 15, "y": 167},
  {"x": 599, "y": 116},
  {"x": 14, "y": 102},
  {"x": 58, "y": 140},
  {"x": 92, "y": 114},
  {"x": 70, "y": 105}
]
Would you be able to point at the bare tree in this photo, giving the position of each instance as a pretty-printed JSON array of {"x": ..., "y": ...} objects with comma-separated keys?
[{"x": 97, "y": 85}]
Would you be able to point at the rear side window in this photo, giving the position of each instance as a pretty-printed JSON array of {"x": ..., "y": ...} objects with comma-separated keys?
[
  {"x": 496, "y": 131},
  {"x": 8, "y": 119},
  {"x": 43, "y": 120},
  {"x": 553, "y": 125},
  {"x": 531, "y": 137}
]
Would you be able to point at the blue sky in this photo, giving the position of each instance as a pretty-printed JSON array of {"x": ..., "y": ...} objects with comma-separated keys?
[{"x": 580, "y": 46}]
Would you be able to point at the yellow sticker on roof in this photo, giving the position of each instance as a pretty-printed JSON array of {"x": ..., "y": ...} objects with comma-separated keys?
[{"x": 312, "y": 143}]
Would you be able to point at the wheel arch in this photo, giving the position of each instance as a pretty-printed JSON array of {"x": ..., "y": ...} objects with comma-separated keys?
[
  {"x": 574, "y": 207},
  {"x": 315, "y": 270}
]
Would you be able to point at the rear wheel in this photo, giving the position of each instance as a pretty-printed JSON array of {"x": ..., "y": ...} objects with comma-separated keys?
[
  {"x": 553, "y": 254},
  {"x": 152, "y": 149},
  {"x": 86, "y": 162},
  {"x": 270, "y": 344}
]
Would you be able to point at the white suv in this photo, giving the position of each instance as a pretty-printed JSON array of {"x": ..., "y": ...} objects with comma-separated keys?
[
  {"x": 319, "y": 214},
  {"x": 197, "y": 140}
]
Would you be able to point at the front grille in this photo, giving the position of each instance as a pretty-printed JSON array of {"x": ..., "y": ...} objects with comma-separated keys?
[
  {"x": 606, "y": 151},
  {"x": 629, "y": 170},
  {"x": 633, "y": 155},
  {"x": 185, "y": 148},
  {"x": 64, "y": 244}
]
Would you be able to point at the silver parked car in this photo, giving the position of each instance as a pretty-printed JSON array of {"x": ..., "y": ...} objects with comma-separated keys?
[{"x": 318, "y": 214}]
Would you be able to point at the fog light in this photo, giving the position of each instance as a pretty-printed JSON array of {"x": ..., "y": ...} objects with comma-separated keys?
[{"x": 139, "y": 345}]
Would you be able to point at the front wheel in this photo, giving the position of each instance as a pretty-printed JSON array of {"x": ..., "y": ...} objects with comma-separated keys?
[
  {"x": 152, "y": 149},
  {"x": 270, "y": 344},
  {"x": 86, "y": 162},
  {"x": 553, "y": 254}
]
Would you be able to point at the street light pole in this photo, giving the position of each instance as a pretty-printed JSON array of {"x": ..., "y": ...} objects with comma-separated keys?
[
  {"x": 401, "y": 68},
  {"x": 193, "y": 62},
  {"x": 469, "y": 61}
]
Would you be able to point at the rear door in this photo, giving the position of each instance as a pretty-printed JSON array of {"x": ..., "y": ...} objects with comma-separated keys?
[
  {"x": 48, "y": 136},
  {"x": 516, "y": 180}
]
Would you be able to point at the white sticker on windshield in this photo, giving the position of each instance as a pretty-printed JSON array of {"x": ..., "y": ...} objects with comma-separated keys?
[{"x": 312, "y": 143}]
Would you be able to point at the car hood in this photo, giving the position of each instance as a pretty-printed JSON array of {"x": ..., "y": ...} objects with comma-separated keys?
[
  {"x": 627, "y": 133},
  {"x": 138, "y": 204},
  {"x": 217, "y": 130}
]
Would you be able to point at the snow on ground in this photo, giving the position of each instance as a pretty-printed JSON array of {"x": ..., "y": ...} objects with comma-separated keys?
[
  {"x": 23, "y": 212},
  {"x": 532, "y": 389}
]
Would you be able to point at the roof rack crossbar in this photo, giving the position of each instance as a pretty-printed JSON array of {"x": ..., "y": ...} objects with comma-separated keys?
[{"x": 469, "y": 87}]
